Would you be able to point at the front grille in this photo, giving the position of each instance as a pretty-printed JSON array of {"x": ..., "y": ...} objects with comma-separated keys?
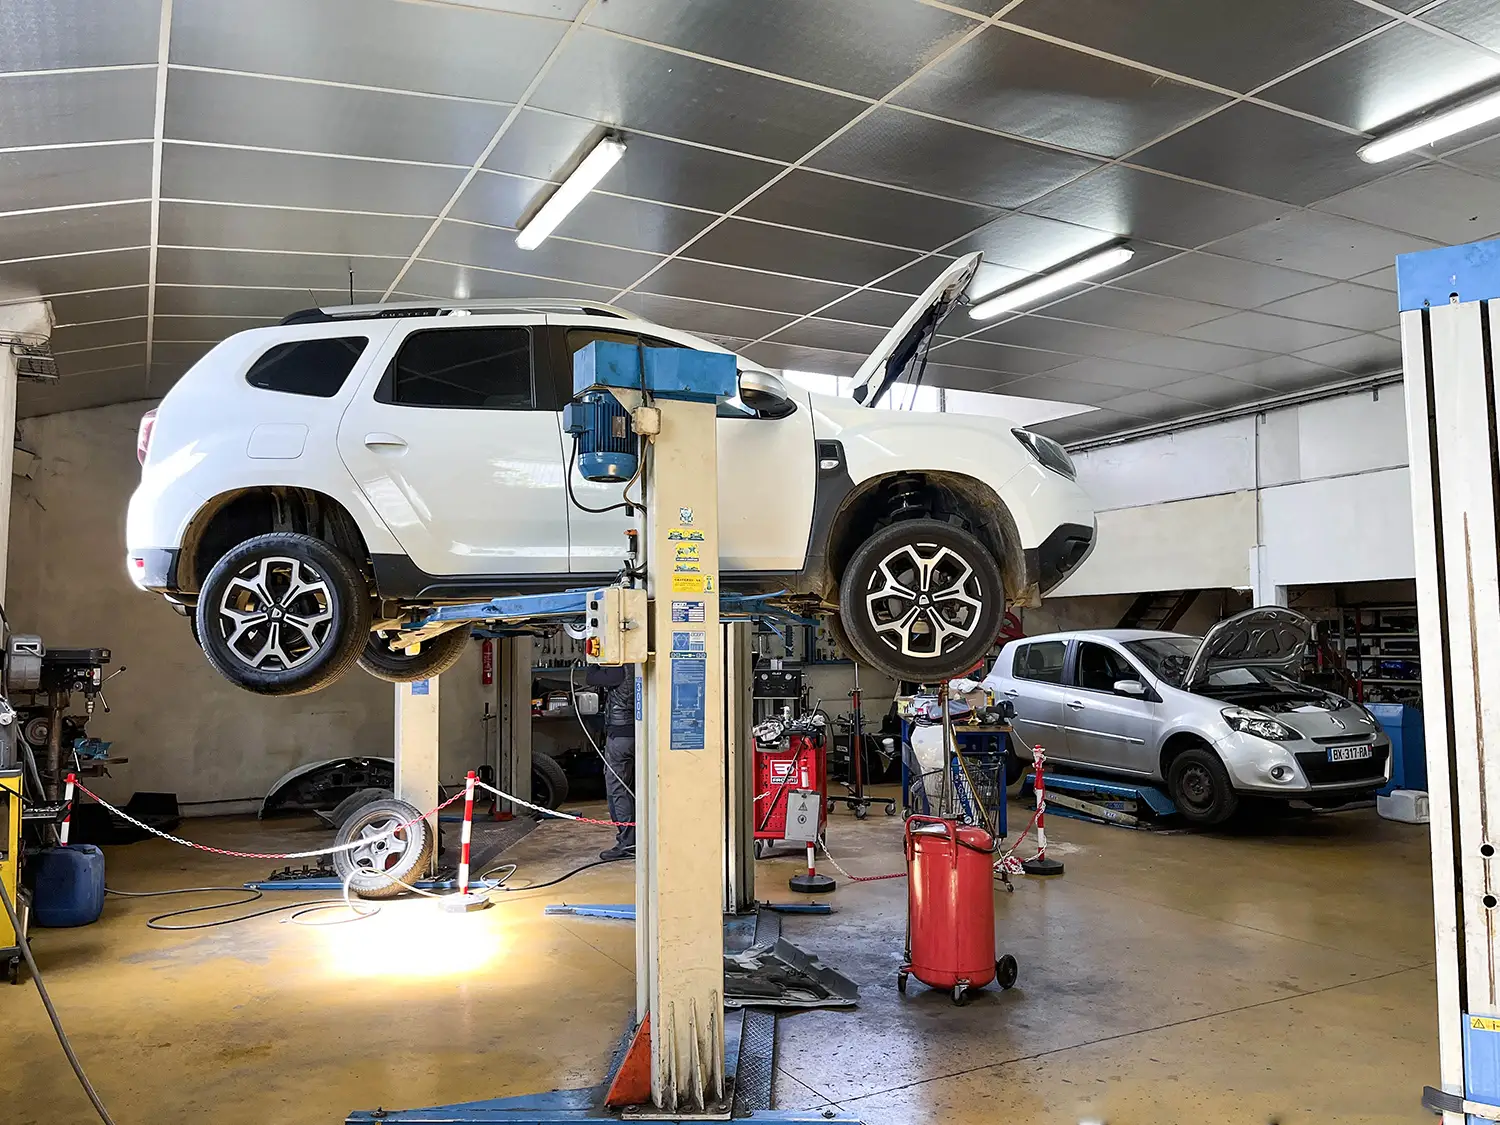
[
  {"x": 1346, "y": 739},
  {"x": 1320, "y": 771}
]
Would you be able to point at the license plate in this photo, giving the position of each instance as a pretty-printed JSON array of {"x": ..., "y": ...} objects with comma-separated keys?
[{"x": 1350, "y": 753}]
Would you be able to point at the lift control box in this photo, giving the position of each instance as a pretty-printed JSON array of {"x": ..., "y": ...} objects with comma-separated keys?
[{"x": 616, "y": 626}]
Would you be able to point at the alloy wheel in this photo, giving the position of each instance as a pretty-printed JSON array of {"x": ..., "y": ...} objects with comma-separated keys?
[
  {"x": 924, "y": 600},
  {"x": 276, "y": 613},
  {"x": 380, "y": 850}
]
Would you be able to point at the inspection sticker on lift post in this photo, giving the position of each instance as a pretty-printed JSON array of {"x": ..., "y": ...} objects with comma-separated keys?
[
  {"x": 687, "y": 613},
  {"x": 688, "y": 576},
  {"x": 689, "y": 661}
]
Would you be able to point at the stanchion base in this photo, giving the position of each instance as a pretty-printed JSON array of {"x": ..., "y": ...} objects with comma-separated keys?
[
  {"x": 1042, "y": 866},
  {"x": 465, "y": 904},
  {"x": 811, "y": 884}
]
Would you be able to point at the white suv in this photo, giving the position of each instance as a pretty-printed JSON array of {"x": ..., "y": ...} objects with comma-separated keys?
[{"x": 307, "y": 490}]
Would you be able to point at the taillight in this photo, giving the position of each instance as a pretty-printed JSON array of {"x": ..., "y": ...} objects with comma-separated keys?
[{"x": 143, "y": 436}]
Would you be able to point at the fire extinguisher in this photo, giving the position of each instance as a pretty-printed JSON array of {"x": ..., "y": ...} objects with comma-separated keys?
[{"x": 487, "y": 663}]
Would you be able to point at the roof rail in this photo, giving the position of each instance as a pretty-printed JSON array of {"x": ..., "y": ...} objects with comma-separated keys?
[{"x": 393, "y": 309}]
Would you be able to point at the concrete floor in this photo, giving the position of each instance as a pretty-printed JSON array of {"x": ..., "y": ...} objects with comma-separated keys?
[{"x": 1276, "y": 975}]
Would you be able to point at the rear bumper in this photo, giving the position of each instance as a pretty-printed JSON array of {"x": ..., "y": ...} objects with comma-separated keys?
[
  {"x": 1059, "y": 555},
  {"x": 153, "y": 568}
]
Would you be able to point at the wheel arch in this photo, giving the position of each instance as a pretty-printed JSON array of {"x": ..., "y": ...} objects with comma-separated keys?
[{"x": 1179, "y": 741}]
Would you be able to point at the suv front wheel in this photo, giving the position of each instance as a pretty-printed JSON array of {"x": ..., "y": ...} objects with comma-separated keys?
[
  {"x": 283, "y": 614},
  {"x": 922, "y": 600}
]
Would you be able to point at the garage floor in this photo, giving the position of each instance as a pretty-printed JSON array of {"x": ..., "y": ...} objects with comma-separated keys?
[{"x": 1281, "y": 975}]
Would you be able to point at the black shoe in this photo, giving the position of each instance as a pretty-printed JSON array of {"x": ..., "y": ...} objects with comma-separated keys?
[{"x": 618, "y": 852}]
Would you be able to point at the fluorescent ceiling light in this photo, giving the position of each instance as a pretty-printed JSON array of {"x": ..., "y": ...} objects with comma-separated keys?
[
  {"x": 1477, "y": 111},
  {"x": 604, "y": 156},
  {"x": 1025, "y": 294}
]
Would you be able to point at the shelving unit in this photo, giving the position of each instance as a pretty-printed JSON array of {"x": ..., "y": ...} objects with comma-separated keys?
[{"x": 1378, "y": 646}]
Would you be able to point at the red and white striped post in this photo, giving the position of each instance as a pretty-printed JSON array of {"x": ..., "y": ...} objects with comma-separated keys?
[
  {"x": 1040, "y": 864},
  {"x": 812, "y": 883},
  {"x": 468, "y": 832},
  {"x": 67, "y": 821}
]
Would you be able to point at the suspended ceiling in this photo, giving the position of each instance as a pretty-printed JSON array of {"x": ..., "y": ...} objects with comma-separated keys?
[{"x": 795, "y": 170}]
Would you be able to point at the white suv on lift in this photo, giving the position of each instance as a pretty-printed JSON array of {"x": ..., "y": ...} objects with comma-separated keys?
[{"x": 307, "y": 490}]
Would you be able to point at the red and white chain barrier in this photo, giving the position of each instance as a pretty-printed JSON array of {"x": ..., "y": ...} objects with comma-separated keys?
[
  {"x": 67, "y": 822},
  {"x": 334, "y": 849},
  {"x": 1008, "y": 864},
  {"x": 468, "y": 832},
  {"x": 503, "y": 795},
  {"x": 839, "y": 868}
]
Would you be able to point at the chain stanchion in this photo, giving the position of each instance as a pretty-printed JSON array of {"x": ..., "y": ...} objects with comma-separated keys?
[
  {"x": 67, "y": 821},
  {"x": 1040, "y": 864},
  {"x": 465, "y": 900}
]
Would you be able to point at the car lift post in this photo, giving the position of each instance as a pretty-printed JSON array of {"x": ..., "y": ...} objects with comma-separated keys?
[
  {"x": 416, "y": 748},
  {"x": 1449, "y": 330}
]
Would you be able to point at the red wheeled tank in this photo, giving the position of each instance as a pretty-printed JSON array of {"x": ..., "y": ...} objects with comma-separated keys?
[{"x": 950, "y": 908}]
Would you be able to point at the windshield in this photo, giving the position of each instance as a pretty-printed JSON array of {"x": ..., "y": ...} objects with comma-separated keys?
[{"x": 1167, "y": 658}]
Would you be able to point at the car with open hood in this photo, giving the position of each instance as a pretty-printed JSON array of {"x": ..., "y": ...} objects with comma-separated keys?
[
  {"x": 310, "y": 490},
  {"x": 1212, "y": 718}
]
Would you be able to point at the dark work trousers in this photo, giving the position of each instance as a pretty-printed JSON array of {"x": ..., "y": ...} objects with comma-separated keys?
[{"x": 619, "y": 757}]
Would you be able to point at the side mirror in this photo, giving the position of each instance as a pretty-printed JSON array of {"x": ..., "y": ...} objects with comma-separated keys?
[
  {"x": 763, "y": 392},
  {"x": 1130, "y": 687}
]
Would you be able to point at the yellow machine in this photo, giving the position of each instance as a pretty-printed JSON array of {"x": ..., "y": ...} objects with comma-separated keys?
[{"x": 10, "y": 869}]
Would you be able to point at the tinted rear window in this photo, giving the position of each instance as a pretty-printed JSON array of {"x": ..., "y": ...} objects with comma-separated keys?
[
  {"x": 1040, "y": 660},
  {"x": 461, "y": 369},
  {"x": 307, "y": 367}
]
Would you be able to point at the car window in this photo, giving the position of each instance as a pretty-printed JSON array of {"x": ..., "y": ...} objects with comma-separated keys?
[
  {"x": 1040, "y": 660},
  {"x": 1099, "y": 667},
  {"x": 307, "y": 367},
  {"x": 461, "y": 369},
  {"x": 1167, "y": 658}
]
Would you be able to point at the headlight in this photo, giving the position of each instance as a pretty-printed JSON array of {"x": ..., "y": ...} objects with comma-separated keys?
[
  {"x": 1048, "y": 452},
  {"x": 1253, "y": 722}
]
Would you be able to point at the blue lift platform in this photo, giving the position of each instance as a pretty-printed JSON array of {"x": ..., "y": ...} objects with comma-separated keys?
[{"x": 1130, "y": 804}]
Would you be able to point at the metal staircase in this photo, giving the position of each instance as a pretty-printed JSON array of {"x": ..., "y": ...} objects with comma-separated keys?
[{"x": 1161, "y": 609}]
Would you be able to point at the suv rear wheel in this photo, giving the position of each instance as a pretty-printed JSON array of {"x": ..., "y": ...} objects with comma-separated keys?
[
  {"x": 922, "y": 600},
  {"x": 283, "y": 614},
  {"x": 433, "y": 657}
]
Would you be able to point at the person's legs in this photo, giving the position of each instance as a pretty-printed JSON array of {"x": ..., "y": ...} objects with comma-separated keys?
[{"x": 619, "y": 778}]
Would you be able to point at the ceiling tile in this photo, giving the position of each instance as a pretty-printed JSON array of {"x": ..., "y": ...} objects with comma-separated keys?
[
  {"x": 1214, "y": 391},
  {"x": 61, "y": 177},
  {"x": 1251, "y": 148},
  {"x": 864, "y": 46},
  {"x": 498, "y": 200},
  {"x": 871, "y": 306},
  {"x": 613, "y": 220},
  {"x": 324, "y": 182},
  {"x": 1152, "y": 406},
  {"x": 1055, "y": 387},
  {"x": 228, "y": 301},
  {"x": 102, "y": 359},
  {"x": 105, "y": 304},
  {"x": 271, "y": 113},
  {"x": 1032, "y": 88},
  {"x": 1389, "y": 76},
  {"x": 1344, "y": 305},
  {"x": 433, "y": 48},
  {"x": 1119, "y": 374},
  {"x": 109, "y": 333},
  {"x": 461, "y": 283},
  {"x": 946, "y": 159},
  {"x": 915, "y": 278},
  {"x": 739, "y": 242},
  {"x": 1432, "y": 201},
  {"x": 1065, "y": 336},
  {"x": 179, "y": 353},
  {"x": 859, "y": 210},
  {"x": 265, "y": 228},
  {"x": 1277, "y": 334},
  {"x": 54, "y": 109},
  {"x": 1285, "y": 373},
  {"x": 834, "y": 335},
  {"x": 1031, "y": 243},
  {"x": 1139, "y": 204},
  {"x": 1226, "y": 42},
  {"x": 1480, "y": 156},
  {"x": 547, "y": 145},
  {"x": 745, "y": 288},
  {"x": 1358, "y": 355},
  {"x": 998, "y": 357},
  {"x": 1080, "y": 427},
  {"x": 703, "y": 317},
  {"x": 636, "y": 86},
  {"x": 1122, "y": 308},
  {"x": 211, "y": 328},
  {"x": 468, "y": 245},
  {"x": 790, "y": 357},
  {"x": 82, "y": 392},
  {"x": 36, "y": 233},
  {"x": 62, "y": 34},
  {"x": 1476, "y": 20},
  {"x": 1224, "y": 281},
  {"x": 1384, "y": 278},
  {"x": 960, "y": 378},
  {"x": 108, "y": 269},
  {"x": 1324, "y": 244},
  {"x": 219, "y": 267},
  {"x": 1191, "y": 355}
]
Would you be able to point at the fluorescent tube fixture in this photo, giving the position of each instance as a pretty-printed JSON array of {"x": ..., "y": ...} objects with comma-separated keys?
[
  {"x": 1466, "y": 115},
  {"x": 1031, "y": 291},
  {"x": 604, "y": 156}
]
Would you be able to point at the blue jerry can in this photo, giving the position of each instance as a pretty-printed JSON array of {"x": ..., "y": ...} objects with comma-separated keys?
[{"x": 69, "y": 887}]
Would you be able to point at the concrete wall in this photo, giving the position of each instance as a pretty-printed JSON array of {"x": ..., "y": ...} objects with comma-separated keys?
[{"x": 184, "y": 728}]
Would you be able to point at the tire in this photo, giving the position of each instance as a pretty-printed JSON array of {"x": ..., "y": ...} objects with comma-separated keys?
[
  {"x": 901, "y": 983},
  {"x": 434, "y": 657},
  {"x": 1200, "y": 788},
  {"x": 373, "y": 869},
  {"x": 354, "y": 802},
  {"x": 841, "y": 638},
  {"x": 897, "y": 632},
  {"x": 549, "y": 784},
  {"x": 252, "y": 647},
  {"x": 1006, "y": 971}
]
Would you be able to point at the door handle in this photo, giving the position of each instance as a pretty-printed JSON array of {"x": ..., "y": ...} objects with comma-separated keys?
[
  {"x": 384, "y": 441},
  {"x": 1075, "y": 705},
  {"x": 1011, "y": 691}
]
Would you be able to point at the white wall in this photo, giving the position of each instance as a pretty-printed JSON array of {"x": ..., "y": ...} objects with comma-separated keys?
[{"x": 184, "y": 729}]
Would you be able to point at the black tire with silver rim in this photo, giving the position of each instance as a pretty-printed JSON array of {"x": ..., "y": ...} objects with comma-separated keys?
[
  {"x": 283, "y": 614},
  {"x": 394, "y": 848},
  {"x": 433, "y": 657},
  {"x": 1200, "y": 787},
  {"x": 922, "y": 600}
]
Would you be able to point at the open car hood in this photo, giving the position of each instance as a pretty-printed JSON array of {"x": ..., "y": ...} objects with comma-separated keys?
[
  {"x": 893, "y": 355},
  {"x": 1265, "y": 637}
]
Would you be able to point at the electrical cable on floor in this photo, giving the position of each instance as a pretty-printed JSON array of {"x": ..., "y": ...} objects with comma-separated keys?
[
  {"x": 248, "y": 895},
  {"x": 41, "y": 988}
]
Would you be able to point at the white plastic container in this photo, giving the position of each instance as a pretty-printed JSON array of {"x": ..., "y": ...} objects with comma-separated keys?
[{"x": 1406, "y": 805}]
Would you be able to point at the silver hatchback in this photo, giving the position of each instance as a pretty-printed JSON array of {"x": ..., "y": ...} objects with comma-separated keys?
[{"x": 1214, "y": 718}]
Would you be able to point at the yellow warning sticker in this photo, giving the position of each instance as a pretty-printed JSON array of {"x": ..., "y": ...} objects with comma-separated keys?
[
  {"x": 684, "y": 535},
  {"x": 1484, "y": 1023},
  {"x": 686, "y": 551},
  {"x": 687, "y": 584}
]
